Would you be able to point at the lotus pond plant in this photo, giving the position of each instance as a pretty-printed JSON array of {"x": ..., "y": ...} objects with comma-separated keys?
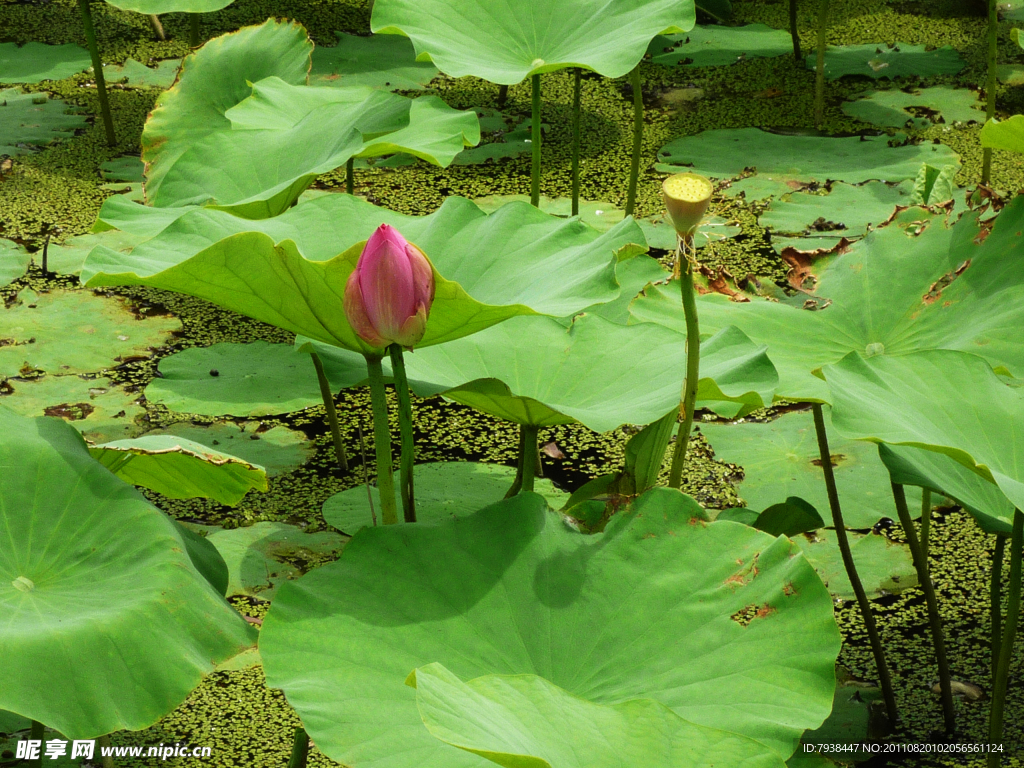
[{"x": 586, "y": 618}]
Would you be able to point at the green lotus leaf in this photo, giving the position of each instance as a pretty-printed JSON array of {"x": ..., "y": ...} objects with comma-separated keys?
[
  {"x": 505, "y": 43},
  {"x": 96, "y": 408},
  {"x": 244, "y": 94},
  {"x": 35, "y": 62},
  {"x": 377, "y": 61},
  {"x": 260, "y": 557},
  {"x": 758, "y": 188},
  {"x": 68, "y": 257},
  {"x": 633, "y": 275},
  {"x": 884, "y": 566},
  {"x": 512, "y": 143},
  {"x": 526, "y": 721},
  {"x": 939, "y": 289},
  {"x": 1002, "y": 134},
  {"x": 781, "y": 458},
  {"x": 64, "y": 332},
  {"x": 76, "y": 658},
  {"x": 726, "y": 153},
  {"x": 516, "y": 261},
  {"x": 716, "y": 45},
  {"x": 889, "y": 108},
  {"x": 277, "y": 450},
  {"x": 444, "y": 490},
  {"x": 180, "y": 469},
  {"x": 942, "y": 474},
  {"x": 209, "y": 563},
  {"x": 532, "y": 370},
  {"x": 170, "y": 6},
  {"x": 846, "y": 211},
  {"x": 789, "y": 518},
  {"x": 854, "y": 720},
  {"x": 137, "y": 75},
  {"x": 512, "y": 590},
  {"x": 134, "y": 218},
  {"x": 934, "y": 186},
  {"x": 11, "y": 722},
  {"x": 14, "y": 260},
  {"x": 1010, "y": 74},
  {"x": 127, "y": 168},
  {"x": 34, "y": 119},
  {"x": 601, "y": 215},
  {"x": 257, "y": 379},
  {"x": 918, "y": 400},
  {"x": 878, "y": 61}
]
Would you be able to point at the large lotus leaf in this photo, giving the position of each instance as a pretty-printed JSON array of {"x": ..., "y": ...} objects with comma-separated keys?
[
  {"x": 884, "y": 567},
  {"x": 244, "y": 95},
  {"x": 660, "y": 232},
  {"x": 878, "y": 61},
  {"x": 35, "y": 62},
  {"x": 633, "y": 276},
  {"x": 444, "y": 490},
  {"x": 65, "y": 332},
  {"x": 249, "y": 274},
  {"x": 725, "y": 153},
  {"x": 846, "y": 211},
  {"x": 602, "y": 216},
  {"x": 99, "y": 410},
  {"x": 890, "y": 294},
  {"x": 942, "y": 474},
  {"x": 889, "y": 108},
  {"x": 716, "y": 45},
  {"x": 506, "y": 42},
  {"x": 277, "y": 450},
  {"x": 180, "y": 469},
  {"x": 734, "y": 631},
  {"x": 512, "y": 143},
  {"x": 377, "y": 61},
  {"x": 261, "y": 556},
  {"x": 68, "y": 257},
  {"x": 134, "y": 218},
  {"x": 1004, "y": 134},
  {"x": 527, "y": 722},
  {"x": 137, "y": 75},
  {"x": 14, "y": 260},
  {"x": 170, "y": 6},
  {"x": 257, "y": 379},
  {"x": 517, "y": 261},
  {"x": 108, "y": 625},
  {"x": 940, "y": 400},
  {"x": 781, "y": 458},
  {"x": 531, "y": 370},
  {"x": 33, "y": 119},
  {"x": 214, "y": 79}
]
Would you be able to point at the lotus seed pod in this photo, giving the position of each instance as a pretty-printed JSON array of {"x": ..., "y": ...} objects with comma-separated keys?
[
  {"x": 388, "y": 295},
  {"x": 687, "y": 196}
]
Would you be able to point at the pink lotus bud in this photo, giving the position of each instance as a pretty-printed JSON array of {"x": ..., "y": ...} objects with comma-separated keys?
[{"x": 388, "y": 295}]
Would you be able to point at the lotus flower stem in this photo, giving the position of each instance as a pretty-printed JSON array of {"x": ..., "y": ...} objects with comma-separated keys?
[
  {"x": 517, "y": 484},
  {"x": 926, "y": 519},
  {"x": 535, "y": 143},
  {"x": 382, "y": 441},
  {"x": 158, "y": 28},
  {"x": 332, "y": 413},
  {"x": 529, "y": 455},
  {"x": 107, "y": 760},
  {"x": 193, "y": 30},
  {"x": 995, "y": 593},
  {"x": 990, "y": 85},
  {"x": 924, "y": 577},
  {"x": 576, "y": 93},
  {"x": 684, "y": 264},
  {"x": 366, "y": 475},
  {"x": 819, "y": 69},
  {"x": 793, "y": 32},
  {"x": 638, "y": 138},
  {"x": 405, "y": 485},
  {"x": 350, "y": 176},
  {"x": 999, "y": 684},
  {"x": 843, "y": 540},
  {"x": 300, "y": 749},
  {"x": 97, "y": 68},
  {"x": 502, "y": 96}
]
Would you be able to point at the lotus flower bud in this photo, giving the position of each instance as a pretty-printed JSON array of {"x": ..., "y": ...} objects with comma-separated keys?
[
  {"x": 687, "y": 196},
  {"x": 388, "y": 295}
]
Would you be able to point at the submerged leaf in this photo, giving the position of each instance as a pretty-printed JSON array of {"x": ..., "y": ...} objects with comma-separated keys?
[{"x": 35, "y": 62}]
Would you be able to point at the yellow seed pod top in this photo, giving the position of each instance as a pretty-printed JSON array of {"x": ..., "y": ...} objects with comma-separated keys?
[{"x": 687, "y": 196}]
